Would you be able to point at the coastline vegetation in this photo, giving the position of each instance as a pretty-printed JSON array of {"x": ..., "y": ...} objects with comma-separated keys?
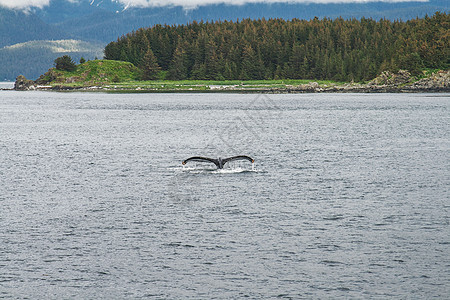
[
  {"x": 263, "y": 55},
  {"x": 338, "y": 50},
  {"x": 119, "y": 76},
  {"x": 92, "y": 72},
  {"x": 124, "y": 76}
]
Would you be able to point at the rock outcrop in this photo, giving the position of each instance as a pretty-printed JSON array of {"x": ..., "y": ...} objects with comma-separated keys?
[
  {"x": 23, "y": 84},
  {"x": 387, "y": 78},
  {"x": 386, "y": 82},
  {"x": 404, "y": 82},
  {"x": 439, "y": 81}
]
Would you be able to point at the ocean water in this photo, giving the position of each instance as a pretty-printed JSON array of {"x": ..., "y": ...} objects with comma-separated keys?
[
  {"x": 6, "y": 85},
  {"x": 348, "y": 197}
]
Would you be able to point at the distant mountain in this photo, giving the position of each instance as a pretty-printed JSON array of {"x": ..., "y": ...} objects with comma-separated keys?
[
  {"x": 109, "y": 21},
  {"x": 62, "y": 10},
  {"x": 17, "y": 27},
  {"x": 34, "y": 58}
]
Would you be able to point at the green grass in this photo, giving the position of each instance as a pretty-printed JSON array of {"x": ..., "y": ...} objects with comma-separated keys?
[
  {"x": 237, "y": 82},
  {"x": 95, "y": 72},
  {"x": 427, "y": 72},
  {"x": 206, "y": 84},
  {"x": 125, "y": 76}
]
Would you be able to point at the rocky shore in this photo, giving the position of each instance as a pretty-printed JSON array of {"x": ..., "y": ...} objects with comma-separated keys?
[{"x": 387, "y": 82}]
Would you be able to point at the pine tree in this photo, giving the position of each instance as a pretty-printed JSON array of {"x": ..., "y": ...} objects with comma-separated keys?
[
  {"x": 279, "y": 74},
  {"x": 149, "y": 66},
  {"x": 178, "y": 67},
  {"x": 295, "y": 61},
  {"x": 198, "y": 71},
  {"x": 213, "y": 62},
  {"x": 65, "y": 63},
  {"x": 252, "y": 65},
  {"x": 318, "y": 49},
  {"x": 228, "y": 72}
]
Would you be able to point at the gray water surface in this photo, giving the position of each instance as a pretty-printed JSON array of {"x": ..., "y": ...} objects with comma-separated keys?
[
  {"x": 349, "y": 196},
  {"x": 6, "y": 85}
]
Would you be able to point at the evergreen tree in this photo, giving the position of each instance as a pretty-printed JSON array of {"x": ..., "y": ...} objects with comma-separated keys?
[
  {"x": 296, "y": 61},
  {"x": 228, "y": 72},
  {"x": 178, "y": 67},
  {"x": 318, "y": 49},
  {"x": 213, "y": 62},
  {"x": 252, "y": 65},
  {"x": 198, "y": 71},
  {"x": 149, "y": 66},
  {"x": 65, "y": 63},
  {"x": 279, "y": 74}
]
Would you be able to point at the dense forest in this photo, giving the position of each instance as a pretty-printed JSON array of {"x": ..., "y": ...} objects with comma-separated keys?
[{"x": 338, "y": 49}]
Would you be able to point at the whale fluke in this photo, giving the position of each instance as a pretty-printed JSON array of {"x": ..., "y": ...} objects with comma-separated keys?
[
  {"x": 239, "y": 157},
  {"x": 218, "y": 162}
]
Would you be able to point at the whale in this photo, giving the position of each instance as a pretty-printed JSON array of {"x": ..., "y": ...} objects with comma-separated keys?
[{"x": 220, "y": 162}]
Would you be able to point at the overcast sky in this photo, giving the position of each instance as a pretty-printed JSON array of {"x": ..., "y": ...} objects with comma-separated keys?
[{"x": 184, "y": 3}]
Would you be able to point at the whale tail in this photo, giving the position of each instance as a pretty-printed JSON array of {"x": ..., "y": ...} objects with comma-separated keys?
[
  {"x": 239, "y": 157},
  {"x": 202, "y": 159},
  {"x": 218, "y": 162}
]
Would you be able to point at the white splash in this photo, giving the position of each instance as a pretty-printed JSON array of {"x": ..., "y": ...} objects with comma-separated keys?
[{"x": 203, "y": 169}]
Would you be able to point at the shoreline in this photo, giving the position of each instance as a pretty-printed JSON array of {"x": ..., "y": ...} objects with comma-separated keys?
[
  {"x": 362, "y": 89},
  {"x": 387, "y": 82}
]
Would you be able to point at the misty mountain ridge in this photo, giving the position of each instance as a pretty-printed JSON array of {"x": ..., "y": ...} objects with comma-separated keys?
[
  {"x": 56, "y": 46},
  {"x": 33, "y": 58}
]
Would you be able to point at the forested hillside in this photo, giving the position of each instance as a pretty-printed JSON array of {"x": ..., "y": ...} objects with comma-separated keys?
[{"x": 336, "y": 49}]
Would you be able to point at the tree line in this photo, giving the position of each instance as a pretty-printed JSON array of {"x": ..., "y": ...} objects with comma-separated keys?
[{"x": 325, "y": 49}]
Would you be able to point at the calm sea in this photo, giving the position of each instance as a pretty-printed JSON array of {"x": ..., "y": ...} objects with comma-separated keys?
[
  {"x": 6, "y": 85},
  {"x": 348, "y": 198}
]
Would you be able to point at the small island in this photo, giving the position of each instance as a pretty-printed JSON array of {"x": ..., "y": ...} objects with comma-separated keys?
[
  {"x": 118, "y": 76},
  {"x": 266, "y": 56}
]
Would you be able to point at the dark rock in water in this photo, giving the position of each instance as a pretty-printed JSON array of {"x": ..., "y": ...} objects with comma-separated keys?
[{"x": 23, "y": 84}]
